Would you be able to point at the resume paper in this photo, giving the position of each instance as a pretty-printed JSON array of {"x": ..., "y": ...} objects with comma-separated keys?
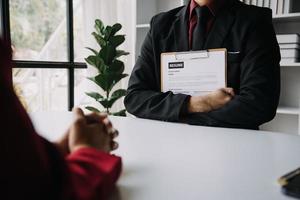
[{"x": 193, "y": 73}]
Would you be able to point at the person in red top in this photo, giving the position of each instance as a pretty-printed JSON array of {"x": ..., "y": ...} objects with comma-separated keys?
[{"x": 79, "y": 166}]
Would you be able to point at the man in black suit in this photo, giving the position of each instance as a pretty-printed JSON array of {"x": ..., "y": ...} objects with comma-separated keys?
[{"x": 253, "y": 71}]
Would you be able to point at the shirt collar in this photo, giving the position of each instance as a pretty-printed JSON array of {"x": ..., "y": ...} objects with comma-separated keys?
[{"x": 213, "y": 7}]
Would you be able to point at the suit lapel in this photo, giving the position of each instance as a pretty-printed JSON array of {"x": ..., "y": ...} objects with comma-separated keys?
[
  {"x": 180, "y": 31},
  {"x": 221, "y": 28},
  {"x": 217, "y": 35}
]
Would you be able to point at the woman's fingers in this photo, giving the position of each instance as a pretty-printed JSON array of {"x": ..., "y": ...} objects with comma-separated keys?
[
  {"x": 115, "y": 133},
  {"x": 110, "y": 129},
  {"x": 78, "y": 113},
  {"x": 114, "y": 145},
  {"x": 101, "y": 120},
  {"x": 229, "y": 91},
  {"x": 96, "y": 117}
]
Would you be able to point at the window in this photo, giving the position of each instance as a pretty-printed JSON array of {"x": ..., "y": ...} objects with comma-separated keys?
[{"x": 48, "y": 69}]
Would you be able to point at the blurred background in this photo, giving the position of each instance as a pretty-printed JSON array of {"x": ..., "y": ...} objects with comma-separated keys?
[{"x": 39, "y": 32}]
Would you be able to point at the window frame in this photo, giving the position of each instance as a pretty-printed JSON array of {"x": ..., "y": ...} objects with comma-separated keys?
[{"x": 69, "y": 65}]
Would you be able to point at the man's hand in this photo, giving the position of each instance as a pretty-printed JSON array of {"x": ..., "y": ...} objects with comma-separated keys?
[
  {"x": 93, "y": 130},
  {"x": 211, "y": 101}
]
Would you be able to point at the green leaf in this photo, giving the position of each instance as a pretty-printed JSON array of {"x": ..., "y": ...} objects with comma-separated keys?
[
  {"x": 105, "y": 103},
  {"x": 115, "y": 96},
  {"x": 107, "y": 81},
  {"x": 108, "y": 103},
  {"x": 99, "y": 26},
  {"x": 118, "y": 94},
  {"x": 108, "y": 53},
  {"x": 90, "y": 108},
  {"x": 92, "y": 60},
  {"x": 100, "y": 40},
  {"x": 116, "y": 67},
  {"x": 116, "y": 28},
  {"x": 121, "y": 53},
  {"x": 117, "y": 40},
  {"x": 97, "y": 62},
  {"x": 121, "y": 113},
  {"x": 93, "y": 50},
  {"x": 111, "y": 70},
  {"x": 108, "y": 32},
  {"x": 94, "y": 95}
]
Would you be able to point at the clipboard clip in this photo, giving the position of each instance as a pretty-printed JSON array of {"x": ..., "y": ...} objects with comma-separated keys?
[{"x": 192, "y": 55}]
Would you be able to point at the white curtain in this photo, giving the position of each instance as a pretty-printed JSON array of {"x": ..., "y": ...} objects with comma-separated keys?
[{"x": 110, "y": 12}]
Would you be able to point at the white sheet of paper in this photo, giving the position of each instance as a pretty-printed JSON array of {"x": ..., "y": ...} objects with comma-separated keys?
[{"x": 194, "y": 72}]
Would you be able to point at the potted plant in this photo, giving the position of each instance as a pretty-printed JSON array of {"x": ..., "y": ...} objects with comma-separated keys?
[{"x": 110, "y": 69}]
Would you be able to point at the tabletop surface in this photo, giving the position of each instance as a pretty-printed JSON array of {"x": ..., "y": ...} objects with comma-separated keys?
[{"x": 169, "y": 161}]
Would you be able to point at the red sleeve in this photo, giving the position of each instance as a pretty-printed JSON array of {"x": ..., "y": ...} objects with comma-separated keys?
[
  {"x": 32, "y": 168},
  {"x": 93, "y": 172}
]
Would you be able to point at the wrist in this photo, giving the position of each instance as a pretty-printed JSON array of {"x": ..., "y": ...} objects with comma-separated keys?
[
  {"x": 199, "y": 104},
  {"x": 104, "y": 148},
  {"x": 79, "y": 146},
  {"x": 208, "y": 102},
  {"x": 63, "y": 149}
]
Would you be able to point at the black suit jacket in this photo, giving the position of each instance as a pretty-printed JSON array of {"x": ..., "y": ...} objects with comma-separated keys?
[{"x": 254, "y": 73}]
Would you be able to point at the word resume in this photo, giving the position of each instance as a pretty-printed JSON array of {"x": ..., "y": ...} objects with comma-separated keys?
[{"x": 195, "y": 72}]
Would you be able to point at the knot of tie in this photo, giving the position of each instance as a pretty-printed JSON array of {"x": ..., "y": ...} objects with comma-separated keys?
[{"x": 203, "y": 12}]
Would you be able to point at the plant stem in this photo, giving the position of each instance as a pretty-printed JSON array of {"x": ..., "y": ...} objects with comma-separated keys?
[{"x": 107, "y": 95}]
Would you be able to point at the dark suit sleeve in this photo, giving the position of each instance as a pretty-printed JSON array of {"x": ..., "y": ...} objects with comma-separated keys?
[
  {"x": 143, "y": 98},
  {"x": 259, "y": 82}
]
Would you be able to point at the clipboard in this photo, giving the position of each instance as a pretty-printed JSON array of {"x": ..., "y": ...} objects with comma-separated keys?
[{"x": 194, "y": 72}]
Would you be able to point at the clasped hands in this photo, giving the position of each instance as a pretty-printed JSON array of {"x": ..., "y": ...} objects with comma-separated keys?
[
  {"x": 92, "y": 130},
  {"x": 96, "y": 131},
  {"x": 211, "y": 101}
]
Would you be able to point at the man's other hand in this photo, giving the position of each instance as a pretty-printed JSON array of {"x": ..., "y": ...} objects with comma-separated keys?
[{"x": 211, "y": 101}]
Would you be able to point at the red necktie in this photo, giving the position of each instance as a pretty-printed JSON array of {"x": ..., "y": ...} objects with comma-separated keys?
[
  {"x": 198, "y": 27},
  {"x": 192, "y": 25}
]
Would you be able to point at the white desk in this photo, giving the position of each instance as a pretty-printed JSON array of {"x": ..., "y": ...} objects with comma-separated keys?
[{"x": 165, "y": 161}]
